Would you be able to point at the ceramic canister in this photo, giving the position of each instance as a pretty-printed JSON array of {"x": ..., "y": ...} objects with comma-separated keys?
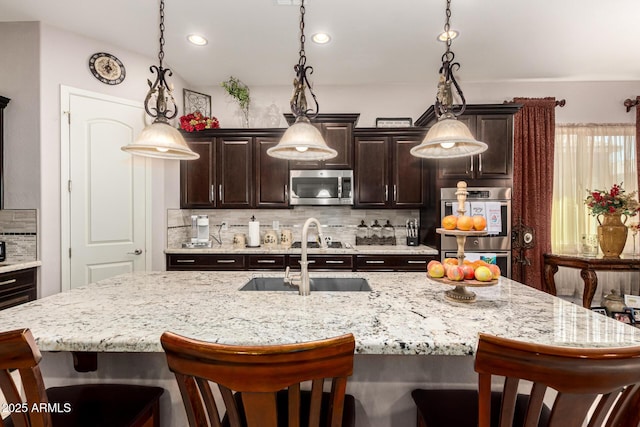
[
  {"x": 270, "y": 239},
  {"x": 286, "y": 238}
]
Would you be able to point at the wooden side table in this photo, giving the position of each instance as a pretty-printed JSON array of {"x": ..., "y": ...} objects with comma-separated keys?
[{"x": 588, "y": 267}]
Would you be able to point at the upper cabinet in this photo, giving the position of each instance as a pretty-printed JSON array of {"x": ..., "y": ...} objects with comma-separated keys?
[
  {"x": 3, "y": 103},
  {"x": 386, "y": 174},
  {"x": 233, "y": 170},
  {"x": 492, "y": 124},
  {"x": 337, "y": 131}
]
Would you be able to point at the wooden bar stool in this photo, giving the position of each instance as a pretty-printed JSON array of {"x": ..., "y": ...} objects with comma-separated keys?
[
  {"x": 91, "y": 405},
  {"x": 592, "y": 386},
  {"x": 266, "y": 381}
]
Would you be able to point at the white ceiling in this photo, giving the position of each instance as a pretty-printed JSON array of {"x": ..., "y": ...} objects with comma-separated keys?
[{"x": 374, "y": 41}]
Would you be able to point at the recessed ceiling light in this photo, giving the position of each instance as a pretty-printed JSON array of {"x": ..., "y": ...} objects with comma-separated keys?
[
  {"x": 321, "y": 38},
  {"x": 196, "y": 39},
  {"x": 452, "y": 35}
]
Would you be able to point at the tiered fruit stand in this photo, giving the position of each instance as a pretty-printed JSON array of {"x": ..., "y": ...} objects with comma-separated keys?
[{"x": 460, "y": 293}]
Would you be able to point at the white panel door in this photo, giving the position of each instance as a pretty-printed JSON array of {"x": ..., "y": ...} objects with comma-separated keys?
[{"x": 107, "y": 190}]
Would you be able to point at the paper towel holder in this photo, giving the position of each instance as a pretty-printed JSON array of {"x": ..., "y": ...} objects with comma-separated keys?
[{"x": 253, "y": 236}]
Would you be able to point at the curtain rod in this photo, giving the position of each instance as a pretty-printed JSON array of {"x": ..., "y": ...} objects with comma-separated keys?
[
  {"x": 630, "y": 103},
  {"x": 560, "y": 103}
]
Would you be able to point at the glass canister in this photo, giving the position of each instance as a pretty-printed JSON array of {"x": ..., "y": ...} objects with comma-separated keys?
[
  {"x": 362, "y": 233},
  {"x": 388, "y": 234},
  {"x": 376, "y": 230}
]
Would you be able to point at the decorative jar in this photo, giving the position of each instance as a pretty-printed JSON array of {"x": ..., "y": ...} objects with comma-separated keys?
[{"x": 612, "y": 234}]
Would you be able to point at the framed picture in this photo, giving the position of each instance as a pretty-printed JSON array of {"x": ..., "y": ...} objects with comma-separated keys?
[
  {"x": 632, "y": 301},
  {"x": 635, "y": 312},
  {"x": 196, "y": 101},
  {"x": 600, "y": 310},
  {"x": 397, "y": 122},
  {"x": 623, "y": 317}
]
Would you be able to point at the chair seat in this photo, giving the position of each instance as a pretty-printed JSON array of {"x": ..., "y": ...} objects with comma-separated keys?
[
  {"x": 439, "y": 408},
  {"x": 348, "y": 414},
  {"x": 103, "y": 405}
]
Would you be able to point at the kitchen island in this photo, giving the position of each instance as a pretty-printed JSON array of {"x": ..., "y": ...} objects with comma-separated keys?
[{"x": 407, "y": 334}]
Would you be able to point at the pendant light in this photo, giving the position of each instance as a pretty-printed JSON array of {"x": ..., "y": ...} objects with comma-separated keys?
[
  {"x": 302, "y": 141},
  {"x": 448, "y": 137},
  {"x": 160, "y": 139}
]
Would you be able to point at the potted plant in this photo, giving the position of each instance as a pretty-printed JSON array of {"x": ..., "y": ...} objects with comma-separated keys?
[{"x": 240, "y": 93}]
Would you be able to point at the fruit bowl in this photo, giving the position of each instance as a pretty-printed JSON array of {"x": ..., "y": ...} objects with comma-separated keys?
[{"x": 466, "y": 282}]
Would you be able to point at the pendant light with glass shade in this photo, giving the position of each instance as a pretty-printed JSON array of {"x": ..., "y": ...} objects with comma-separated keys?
[
  {"x": 449, "y": 137},
  {"x": 302, "y": 141},
  {"x": 160, "y": 139}
]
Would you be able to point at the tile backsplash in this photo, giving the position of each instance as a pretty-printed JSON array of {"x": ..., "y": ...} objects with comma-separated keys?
[
  {"x": 339, "y": 222},
  {"x": 18, "y": 228}
]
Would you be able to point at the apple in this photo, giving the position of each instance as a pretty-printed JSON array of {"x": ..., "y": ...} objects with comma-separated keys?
[
  {"x": 483, "y": 274},
  {"x": 495, "y": 270},
  {"x": 436, "y": 270},
  {"x": 432, "y": 262},
  {"x": 468, "y": 271},
  {"x": 455, "y": 273}
]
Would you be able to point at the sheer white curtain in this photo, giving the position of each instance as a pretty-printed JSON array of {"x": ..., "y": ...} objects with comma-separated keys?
[{"x": 589, "y": 156}]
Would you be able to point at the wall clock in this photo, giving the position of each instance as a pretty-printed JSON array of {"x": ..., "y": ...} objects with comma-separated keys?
[{"x": 107, "y": 68}]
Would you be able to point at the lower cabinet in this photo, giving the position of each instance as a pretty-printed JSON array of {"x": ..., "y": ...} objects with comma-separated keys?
[
  {"x": 17, "y": 287},
  {"x": 279, "y": 262}
]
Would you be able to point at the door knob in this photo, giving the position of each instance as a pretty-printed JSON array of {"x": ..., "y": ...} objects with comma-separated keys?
[{"x": 136, "y": 252}]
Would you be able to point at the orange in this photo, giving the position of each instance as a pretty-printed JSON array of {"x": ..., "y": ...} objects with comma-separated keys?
[
  {"x": 449, "y": 222},
  {"x": 465, "y": 223},
  {"x": 451, "y": 261},
  {"x": 479, "y": 223}
]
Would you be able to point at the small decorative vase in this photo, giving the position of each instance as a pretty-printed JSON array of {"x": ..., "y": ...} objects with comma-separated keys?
[{"x": 612, "y": 234}]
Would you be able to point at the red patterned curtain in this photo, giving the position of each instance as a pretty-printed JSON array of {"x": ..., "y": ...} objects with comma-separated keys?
[{"x": 534, "y": 133}]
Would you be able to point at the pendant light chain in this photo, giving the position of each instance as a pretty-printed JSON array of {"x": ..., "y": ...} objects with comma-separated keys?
[
  {"x": 444, "y": 97},
  {"x": 161, "y": 52},
  {"x": 301, "y": 83}
]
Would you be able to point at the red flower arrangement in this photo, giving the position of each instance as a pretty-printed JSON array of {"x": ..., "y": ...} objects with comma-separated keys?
[
  {"x": 196, "y": 121},
  {"x": 614, "y": 200}
]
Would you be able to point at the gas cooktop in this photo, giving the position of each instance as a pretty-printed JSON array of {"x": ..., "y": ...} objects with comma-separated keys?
[{"x": 333, "y": 245}]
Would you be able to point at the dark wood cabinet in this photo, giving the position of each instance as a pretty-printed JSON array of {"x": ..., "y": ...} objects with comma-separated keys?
[
  {"x": 233, "y": 170},
  {"x": 17, "y": 287},
  {"x": 3, "y": 103},
  {"x": 492, "y": 124},
  {"x": 386, "y": 174},
  {"x": 337, "y": 131},
  {"x": 324, "y": 262},
  {"x": 271, "y": 176}
]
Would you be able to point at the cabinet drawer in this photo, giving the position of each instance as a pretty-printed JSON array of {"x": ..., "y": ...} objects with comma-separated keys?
[
  {"x": 374, "y": 262},
  {"x": 324, "y": 262},
  {"x": 266, "y": 262},
  {"x": 393, "y": 262},
  {"x": 205, "y": 262},
  {"x": 17, "y": 287}
]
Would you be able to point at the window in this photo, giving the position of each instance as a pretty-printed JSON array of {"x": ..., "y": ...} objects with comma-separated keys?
[{"x": 588, "y": 156}]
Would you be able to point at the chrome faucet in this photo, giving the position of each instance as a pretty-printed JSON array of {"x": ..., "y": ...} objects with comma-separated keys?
[{"x": 304, "y": 287}]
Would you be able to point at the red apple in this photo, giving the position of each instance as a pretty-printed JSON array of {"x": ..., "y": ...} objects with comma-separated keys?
[
  {"x": 468, "y": 271},
  {"x": 455, "y": 273},
  {"x": 495, "y": 270}
]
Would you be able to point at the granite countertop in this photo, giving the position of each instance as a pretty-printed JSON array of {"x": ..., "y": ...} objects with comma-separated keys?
[
  {"x": 6, "y": 267},
  {"x": 369, "y": 250},
  {"x": 405, "y": 314}
]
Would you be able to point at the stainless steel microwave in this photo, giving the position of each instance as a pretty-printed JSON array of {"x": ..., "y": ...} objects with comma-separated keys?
[{"x": 321, "y": 187}]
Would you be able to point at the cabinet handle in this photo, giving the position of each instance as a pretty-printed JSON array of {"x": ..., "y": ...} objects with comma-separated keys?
[
  {"x": 185, "y": 260},
  {"x": 266, "y": 261},
  {"x": 286, "y": 193},
  {"x": 386, "y": 193},
  {"x": 220, "y": 192},
  {"x": 395, "y": 193},
  {"x": 471, "y": 163},
  {"x": 330, "y": 261},
  {"x": 374, "y": 262},
  {"x": 225, "y": 261},
  {"x": 212, "y": 196},
  {"x": 479, "y": 163},
  {"x": 416, "y": 262},
  {"x": 8, "y": 282}
]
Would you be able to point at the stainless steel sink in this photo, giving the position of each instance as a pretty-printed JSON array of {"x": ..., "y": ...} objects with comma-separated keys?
[{"x": 318, "y": 284}]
